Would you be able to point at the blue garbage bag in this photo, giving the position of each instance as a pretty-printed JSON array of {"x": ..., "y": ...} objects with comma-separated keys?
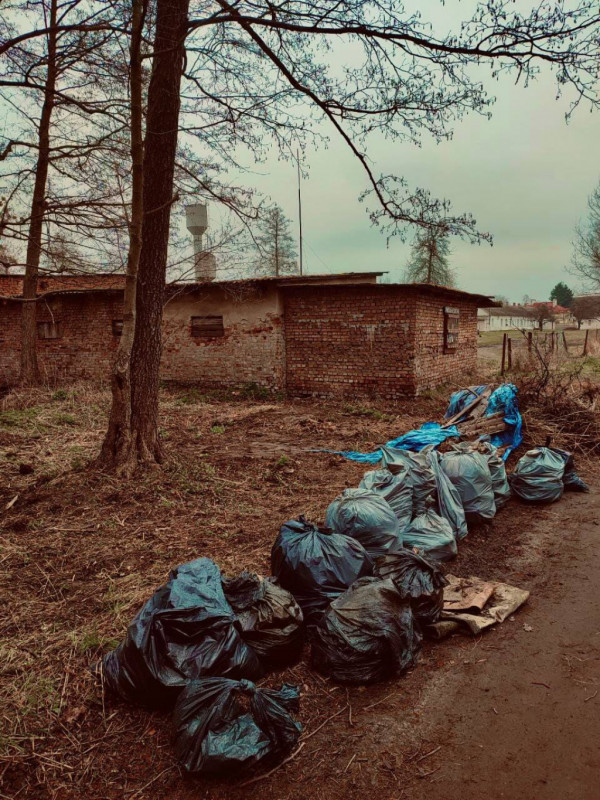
[
  {"x": 368, "y": 634},
  {"x": 316, "y": 565},
  {"x": 419, "y": 580},
  {"x": 538, "y": 476},
  {"x": 368, "y": 518},
  {"x": 396, "y": 490},
  {"x": 431, "y": 536},
  {"x": 225, "y": 727},
  {"x": 185, "y": 631}
]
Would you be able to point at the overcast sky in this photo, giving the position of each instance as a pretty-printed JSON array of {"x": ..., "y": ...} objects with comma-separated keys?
[{"x": 525, "y": 175}]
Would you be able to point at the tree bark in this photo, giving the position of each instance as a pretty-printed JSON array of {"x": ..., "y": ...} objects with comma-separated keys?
[
  {"x": 30, "y": 374},
  {"x": 162, "y": 122},
  {"x": 117, "y": 450}
]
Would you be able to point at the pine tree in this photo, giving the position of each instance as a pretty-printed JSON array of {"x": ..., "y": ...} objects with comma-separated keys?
[
  {"x": 276, "y": 244},
  {"x": 562, "y": 294},
  {"x": 428, "y": 262}
]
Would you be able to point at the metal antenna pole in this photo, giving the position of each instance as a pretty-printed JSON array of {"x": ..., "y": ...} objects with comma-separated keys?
[{"x": 299, "y": 208}]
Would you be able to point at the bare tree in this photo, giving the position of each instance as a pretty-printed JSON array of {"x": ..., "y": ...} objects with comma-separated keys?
[
  {"x": 585, "y": 307},
  {"x": 542, "y": 313},
  {"x": 278, "y": 255},
  {"x": 585, "y": 261},
  {"x": 428, "y": 262},
  {"x": 67, "y": 141},
  {"x": 117, "y": 445}
]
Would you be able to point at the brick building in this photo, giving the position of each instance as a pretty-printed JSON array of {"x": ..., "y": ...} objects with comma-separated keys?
[{"x": 307, "y": 335}]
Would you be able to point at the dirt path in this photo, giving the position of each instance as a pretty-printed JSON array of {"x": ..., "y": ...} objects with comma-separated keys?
[{"x": 524, "y": 722}]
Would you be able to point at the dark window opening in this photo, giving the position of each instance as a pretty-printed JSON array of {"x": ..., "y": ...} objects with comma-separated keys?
[
  {"x": 451, "y": 319},
  {"x": 207, "y": 327},
  {"x": 117, "y": 327},
  {"x": 49, "y": 330}
]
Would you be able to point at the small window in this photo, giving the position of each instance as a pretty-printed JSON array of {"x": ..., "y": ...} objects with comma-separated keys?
[
  {"x": 49, "y": 330},
  {"x": 207, "y": 327},
  {"x": 451, "y": 318},
  {"x": 117, "y": 327}
]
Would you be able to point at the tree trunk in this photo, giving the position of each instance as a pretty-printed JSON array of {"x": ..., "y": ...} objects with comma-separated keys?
[
  {"x": 30, "y": 374},
  {"x": 162, "y": 122},
  {"x": 117, "y": 450}
]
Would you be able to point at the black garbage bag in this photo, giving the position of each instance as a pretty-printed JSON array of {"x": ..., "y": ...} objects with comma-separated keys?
[
  {"x": 368, "y": 634},
  {"x": 417, "y": 579},
  {"x": 396, "y": 490},
  {"x": 420, "y": 475},
  {"x": 500, "y": 485},
  {"x": 571, "y": 480},
  {"x": 367, "y": 517},
  {"x": 448, "y": 502},
  {"x": 269, "y": 617},
  {"x": 432, "y": 536},
  {"x": 224, "y": 726},
  {"x": 185, "y": 631},
  {"x": 316, "y": 565},
  {"x": 470, "y": 473},
  {"x": 538, "y": 476}
]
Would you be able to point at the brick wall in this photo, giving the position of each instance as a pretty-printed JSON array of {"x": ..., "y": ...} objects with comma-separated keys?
[
  {"x": 86, "y": 347},
  {"x": 369, "y": 341},
  {"x": 432, "y": 365},
  {"x": 251, "y": 351},
  {"x": 373, "y": 341},
  {"x": 351, "y": 341}
]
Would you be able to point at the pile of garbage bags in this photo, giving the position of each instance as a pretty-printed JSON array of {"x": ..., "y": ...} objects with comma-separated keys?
[{"x": 362, "y": 591}]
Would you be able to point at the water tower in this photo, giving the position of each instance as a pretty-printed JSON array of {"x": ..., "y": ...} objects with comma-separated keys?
[{"x": 205, "y": 264}]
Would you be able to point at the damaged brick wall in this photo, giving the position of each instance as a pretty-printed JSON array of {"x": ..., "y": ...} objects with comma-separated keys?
[{"x": 86, "y": 347}]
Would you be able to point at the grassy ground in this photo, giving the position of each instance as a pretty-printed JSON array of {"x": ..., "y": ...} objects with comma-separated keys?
[
  {"x": 80, "y": 552},
  {"x": 574, "y": 337}
]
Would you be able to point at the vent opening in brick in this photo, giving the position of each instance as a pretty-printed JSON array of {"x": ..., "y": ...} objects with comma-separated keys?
[
  {"x": 117, "y": 327},
  {"x": 207, "y": 327},
  {"x": 49, "y": 330},
  {"x": 451, "y": 319}
]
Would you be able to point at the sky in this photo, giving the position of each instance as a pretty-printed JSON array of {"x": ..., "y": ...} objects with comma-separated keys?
[{"x": 525, "y": 175}]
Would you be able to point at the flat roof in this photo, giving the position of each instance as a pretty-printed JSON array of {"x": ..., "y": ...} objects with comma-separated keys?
[{"x": 11, "y": 286}]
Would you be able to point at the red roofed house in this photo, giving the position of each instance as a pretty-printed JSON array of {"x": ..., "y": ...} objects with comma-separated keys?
[
  {"x": 562, "y": 315},
  {"x": 307, "y": 335}
]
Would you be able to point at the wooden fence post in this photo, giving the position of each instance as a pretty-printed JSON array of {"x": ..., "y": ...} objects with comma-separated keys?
[
  {"x": 509, "y": 352},
  {"x": 529, "y": 341},
  {"x": 564, "y": 338},
  {"x": 504, "y": 338},
  {"x": 585, "y": 343}
]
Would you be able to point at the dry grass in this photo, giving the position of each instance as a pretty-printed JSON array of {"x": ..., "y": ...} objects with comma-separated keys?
[{"x": 80, "y": 552}]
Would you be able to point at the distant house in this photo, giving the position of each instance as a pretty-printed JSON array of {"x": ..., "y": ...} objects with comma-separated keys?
[
  {"x": 505, "y": 318},
  {"x": 562, "y": 315},
  {"x": 322, "y": 335}
]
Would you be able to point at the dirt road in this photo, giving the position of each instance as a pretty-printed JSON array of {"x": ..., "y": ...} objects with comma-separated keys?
[{"x": 525, "y": 721}]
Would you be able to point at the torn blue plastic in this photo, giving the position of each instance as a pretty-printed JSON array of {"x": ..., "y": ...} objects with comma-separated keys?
[
  {"x": 504, "y": 400},
  {"x": 429, "y": 433}
]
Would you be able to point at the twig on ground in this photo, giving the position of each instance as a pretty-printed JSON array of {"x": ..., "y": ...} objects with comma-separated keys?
[{"x": 271, "y": 771}]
